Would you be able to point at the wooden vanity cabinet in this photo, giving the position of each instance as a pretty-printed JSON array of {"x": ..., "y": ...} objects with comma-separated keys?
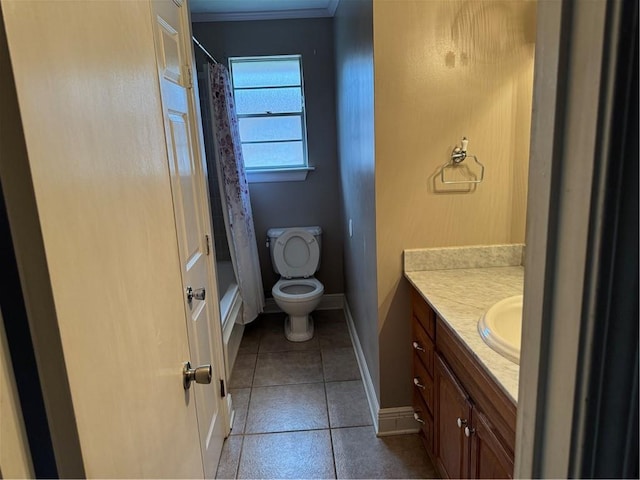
[
  {"x": 466, "y": 446},
  {"x": 423, "y": 330},
  {"x": 467, "y": 422},
  {"x": 489, "y": 458},
  {"x": 452, "y": 415}
]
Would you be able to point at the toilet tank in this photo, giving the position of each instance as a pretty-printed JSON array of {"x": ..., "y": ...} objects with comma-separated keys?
[{"x": 274, "y": 233}]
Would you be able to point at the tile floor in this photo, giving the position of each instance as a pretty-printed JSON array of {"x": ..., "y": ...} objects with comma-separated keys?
[{"x": 302, "y": 412}]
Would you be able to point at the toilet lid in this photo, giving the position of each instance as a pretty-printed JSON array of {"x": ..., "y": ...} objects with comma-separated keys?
[{"x": 296, "y": 254}]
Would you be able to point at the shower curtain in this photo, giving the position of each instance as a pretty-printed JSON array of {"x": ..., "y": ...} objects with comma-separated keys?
[{"x": 236, "y": 192}]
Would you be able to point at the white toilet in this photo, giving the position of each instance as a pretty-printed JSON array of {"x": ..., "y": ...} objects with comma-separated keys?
[{"x": 295, "y": 255}]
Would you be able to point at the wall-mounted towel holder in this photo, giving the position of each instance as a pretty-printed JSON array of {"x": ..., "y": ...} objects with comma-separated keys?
[{"x": 458, "y": 155}]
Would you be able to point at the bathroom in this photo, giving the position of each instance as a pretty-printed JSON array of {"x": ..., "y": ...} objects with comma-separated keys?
[
  {"x": 398, "y": 54},
  {"x": 444, "y": 73},
  {"x": 433, "y": 62}
]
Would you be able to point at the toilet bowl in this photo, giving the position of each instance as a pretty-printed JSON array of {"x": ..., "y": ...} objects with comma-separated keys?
[
  {"x": 295, "y": 255},
  {"x": 298, "y": 298}
]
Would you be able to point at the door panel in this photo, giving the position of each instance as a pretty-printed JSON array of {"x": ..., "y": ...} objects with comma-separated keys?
[
  {"x": 452, "y": 446},
  {"x": 190, "y": 202},
  {"x": 90, "y": 106},
  {"x": 489, "y": 459}
]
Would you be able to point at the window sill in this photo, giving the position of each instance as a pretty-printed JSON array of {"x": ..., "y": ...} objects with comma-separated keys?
[{"x": 282, "y": 175}]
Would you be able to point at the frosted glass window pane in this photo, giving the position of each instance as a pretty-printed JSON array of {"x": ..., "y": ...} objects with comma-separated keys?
[
  {"x": 269, "y": 155},
  {"x": 266, "y": 73},
  {"x": 274, "y": 100},
  {"x": 262, "y": 129}
]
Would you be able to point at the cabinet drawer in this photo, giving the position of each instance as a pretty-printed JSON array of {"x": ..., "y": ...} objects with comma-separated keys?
[
  {"x": 423, "y": 313},
  {"x": 426, "y": 425},
  {"x": 422, "y": 382},
  {"x": 423, "y": 346}
]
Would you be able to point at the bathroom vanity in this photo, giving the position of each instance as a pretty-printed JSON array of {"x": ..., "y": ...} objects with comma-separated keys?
[{"x": 464, "y": 393}]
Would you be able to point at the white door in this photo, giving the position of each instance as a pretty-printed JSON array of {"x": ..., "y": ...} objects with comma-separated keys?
[
  {"x": 88, "y": 91},
  {"x": 190, "y": 203}
]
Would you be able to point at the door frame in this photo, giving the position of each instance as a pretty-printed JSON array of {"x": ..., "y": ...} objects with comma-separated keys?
[
  {"x": 50, "y": 422},
  {"x": 197, "y": 130},
  {"x": 194, "y": 119},
  {"x": 577, "y": 128}
]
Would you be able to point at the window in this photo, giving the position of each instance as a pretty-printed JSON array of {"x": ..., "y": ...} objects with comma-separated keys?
[{"x": 269, "y": 96}]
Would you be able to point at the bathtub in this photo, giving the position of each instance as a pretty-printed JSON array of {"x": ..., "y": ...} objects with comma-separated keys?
[{"x": 230, "y": 313}]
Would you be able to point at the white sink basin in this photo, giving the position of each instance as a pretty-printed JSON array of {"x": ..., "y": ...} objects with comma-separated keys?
[{"x": 501, "y": 327}]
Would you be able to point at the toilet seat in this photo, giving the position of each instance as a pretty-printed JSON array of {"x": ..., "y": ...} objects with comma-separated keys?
[
  {"x": 296, "y": 254},
  {"x": 278, "y": 289}
]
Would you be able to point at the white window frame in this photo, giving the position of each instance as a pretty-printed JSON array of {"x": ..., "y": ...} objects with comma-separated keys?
[{"x": 277, "y": 173}]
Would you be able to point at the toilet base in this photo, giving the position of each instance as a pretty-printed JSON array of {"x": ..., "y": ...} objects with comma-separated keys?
[{"x": 298, "y": 328}]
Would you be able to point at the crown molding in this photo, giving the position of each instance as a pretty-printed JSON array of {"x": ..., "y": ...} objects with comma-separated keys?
[{"x": 329, "y": 11}]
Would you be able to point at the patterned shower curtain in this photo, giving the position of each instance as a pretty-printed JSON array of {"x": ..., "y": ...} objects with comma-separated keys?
[{"x": 236, "y": 191}]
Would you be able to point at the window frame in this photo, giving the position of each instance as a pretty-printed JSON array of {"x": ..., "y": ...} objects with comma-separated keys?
[{"x": 276, "y": 173}]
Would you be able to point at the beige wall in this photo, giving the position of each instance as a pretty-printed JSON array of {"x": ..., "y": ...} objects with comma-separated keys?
[
  {"x": 87, "y": 87},
  {"x": 443, "y": 70}
]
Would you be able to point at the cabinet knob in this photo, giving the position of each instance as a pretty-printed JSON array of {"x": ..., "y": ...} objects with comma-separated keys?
[
  {"x": 417, "y": 417},
  {"x": 416, "y": 382},
  {"x": 461, "y": 422},
  {"x": 418, "y": 347},
  {"x": 469, "y": 431}
]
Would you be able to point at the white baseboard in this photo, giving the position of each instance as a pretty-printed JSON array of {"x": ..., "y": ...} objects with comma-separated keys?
[
  {"x": 330, "y": 301},
  {"x": 386, "y": 421},
  {"x": 231, "y": 413},
  {"x": 232, "y": 332},
  {"x": 396, "y": 421},
  {"x": 374, "y": 405}
]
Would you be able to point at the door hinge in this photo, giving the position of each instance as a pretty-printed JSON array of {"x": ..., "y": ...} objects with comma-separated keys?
[
  {"x": 189, "y": 73},
  {"x": 207, "y": 244},
  {"x": 223, "y": 393}
]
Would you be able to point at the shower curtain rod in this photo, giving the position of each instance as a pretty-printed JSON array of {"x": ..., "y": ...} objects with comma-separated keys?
[{"x": 204, "y": 50}]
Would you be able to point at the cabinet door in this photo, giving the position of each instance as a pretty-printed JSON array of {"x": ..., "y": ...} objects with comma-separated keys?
[
  {"x": 453, "y": 413},
  {"x": 489, "y": 459}
]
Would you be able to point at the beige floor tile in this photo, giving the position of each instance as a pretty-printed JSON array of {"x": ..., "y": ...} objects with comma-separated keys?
[
  {"x": 240, "y": 399},
  {"x": 286, "y": 368},
  {"x": 333, "y": 334},
  {"x": 360, "y": 454},
  {"x": 287, "y": 408},
  {"x": 275, "y": 341},
  {"x": 243, "y": 371},
  {"x": 339, "y": 364},
  {"x": 270, "y": 321},
  {"x": 324, "y": 316},
  {"x": 347, "y": 404},
  {"x": 230, "y": 457},
  {"x": 250, "y": 339},
  {"x": 299, "y": 455}
]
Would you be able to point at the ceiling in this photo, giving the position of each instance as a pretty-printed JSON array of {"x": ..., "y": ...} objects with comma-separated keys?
[{"x": 230, "y": 10}]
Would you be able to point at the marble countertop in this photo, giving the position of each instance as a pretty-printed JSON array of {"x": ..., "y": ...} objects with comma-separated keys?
[{"x": 461, "y": 295}]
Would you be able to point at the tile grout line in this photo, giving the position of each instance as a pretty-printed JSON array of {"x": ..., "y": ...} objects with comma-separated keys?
[
  {"x": 326, "y": 398},
  {"x": 321, "y": 351},
  {"x": 246, "y": 416},
  {"x": 326, "y": 404}
]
